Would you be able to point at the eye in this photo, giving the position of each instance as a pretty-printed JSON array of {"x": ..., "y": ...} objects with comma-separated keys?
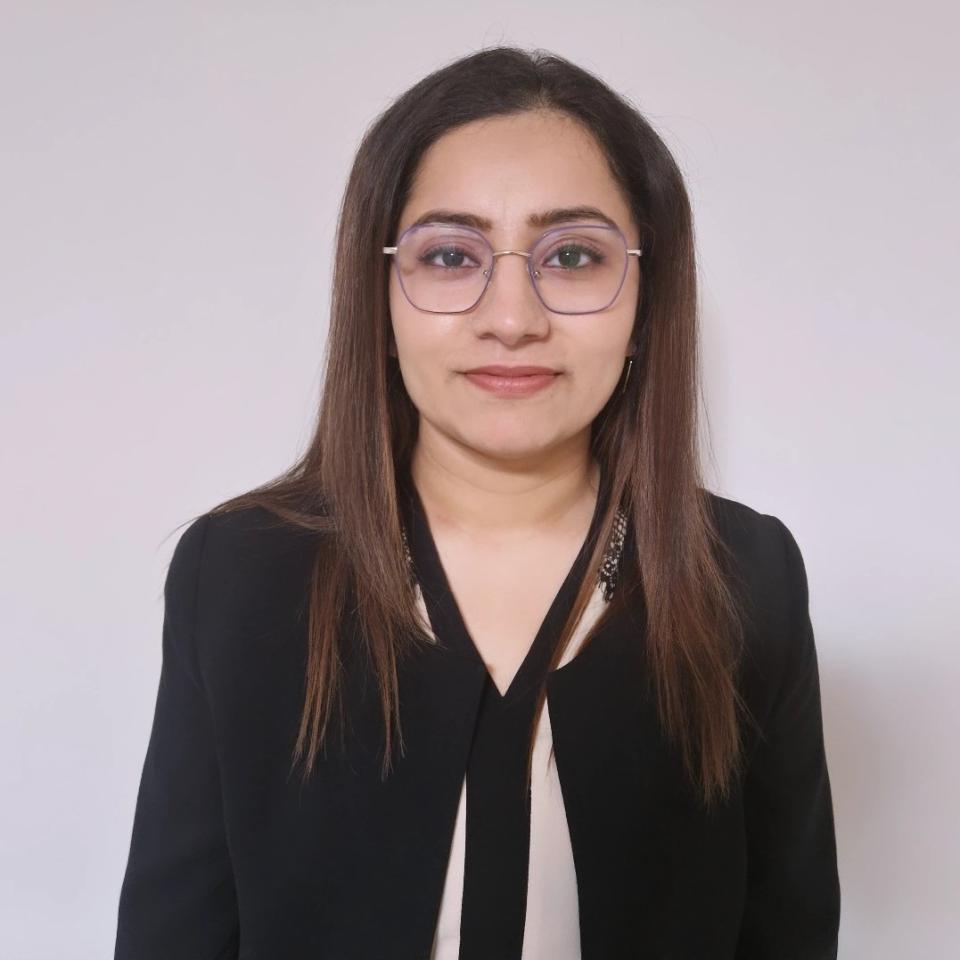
[
  {"x": 452, "y": 257},
  {"x": 576, "y": 256}
]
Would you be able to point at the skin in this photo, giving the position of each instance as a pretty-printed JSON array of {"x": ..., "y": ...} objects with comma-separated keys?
[{"x": 508, "y": 484}]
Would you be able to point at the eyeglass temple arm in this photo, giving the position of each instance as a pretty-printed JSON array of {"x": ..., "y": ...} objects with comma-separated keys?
[{"x": 637, "y": 253}]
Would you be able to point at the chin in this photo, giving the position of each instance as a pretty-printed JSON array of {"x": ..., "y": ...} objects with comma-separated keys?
[{"x": 506, "y": 447}]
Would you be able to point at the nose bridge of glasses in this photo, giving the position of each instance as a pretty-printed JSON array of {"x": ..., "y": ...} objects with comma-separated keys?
[
  {"x": 528, "y": 266},
  {"x": 528, "y": 269}
]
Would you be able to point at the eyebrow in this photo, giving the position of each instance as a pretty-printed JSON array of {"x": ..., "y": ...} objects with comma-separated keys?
[{"x": 546, "y": 218}]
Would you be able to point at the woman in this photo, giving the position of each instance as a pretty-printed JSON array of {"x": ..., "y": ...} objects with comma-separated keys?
[{"x": 488, "y": 673}]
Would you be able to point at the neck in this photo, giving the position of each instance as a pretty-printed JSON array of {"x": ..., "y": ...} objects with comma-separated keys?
[{"x": 478, "y": 495}]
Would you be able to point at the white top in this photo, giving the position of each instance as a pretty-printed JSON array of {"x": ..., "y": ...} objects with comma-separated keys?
[{"x": 552, "y": 923}]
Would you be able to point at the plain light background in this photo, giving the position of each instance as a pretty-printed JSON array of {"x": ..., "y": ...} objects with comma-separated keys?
[{"x": 171, "y": 174}]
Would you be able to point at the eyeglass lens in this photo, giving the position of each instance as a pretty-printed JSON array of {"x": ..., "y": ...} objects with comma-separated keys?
[{"x": 445, "y": 268}]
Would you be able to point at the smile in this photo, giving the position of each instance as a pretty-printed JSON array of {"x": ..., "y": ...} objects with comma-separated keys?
[{"x": 512, "y": 386}]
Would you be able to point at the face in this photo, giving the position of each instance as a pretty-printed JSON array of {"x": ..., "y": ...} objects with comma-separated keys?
[{"x": 505, "y": 169}]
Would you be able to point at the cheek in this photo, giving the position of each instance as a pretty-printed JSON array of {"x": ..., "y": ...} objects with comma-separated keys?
[
  {"x": 603, "y": 357},
  {"x": 599, "y": 378},
  {"x": 423, "y": 359},
  {"x": 409, "y": 349},
  {"x": 415, "y": 362}
]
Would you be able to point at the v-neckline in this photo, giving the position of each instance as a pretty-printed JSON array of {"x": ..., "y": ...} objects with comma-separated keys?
[{"x": 446, "y": 618}]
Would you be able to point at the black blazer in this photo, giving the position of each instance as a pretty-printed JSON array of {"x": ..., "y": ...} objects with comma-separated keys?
[{"x": 232, "y": 858}]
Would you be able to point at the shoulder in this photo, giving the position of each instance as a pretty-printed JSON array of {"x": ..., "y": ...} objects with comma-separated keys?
[
  {"x": 761, "y": 537},
  {"x": 229, "y": 544},
  {"x": 769, "y": 578},
  {"x": 765, "y": 553},
  {"x": 238, "y": 575}
]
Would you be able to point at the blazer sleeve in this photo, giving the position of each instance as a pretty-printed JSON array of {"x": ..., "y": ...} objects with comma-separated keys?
[
  {"x": 178, "y": 895},
  {"x": 792, "y": 907}
]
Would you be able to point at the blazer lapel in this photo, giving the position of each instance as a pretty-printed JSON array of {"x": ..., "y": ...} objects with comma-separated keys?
[{"x": 641, "y": 843}]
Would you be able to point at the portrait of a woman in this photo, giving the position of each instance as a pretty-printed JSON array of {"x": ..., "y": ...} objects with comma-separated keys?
[{"x": 489, "y": 673}]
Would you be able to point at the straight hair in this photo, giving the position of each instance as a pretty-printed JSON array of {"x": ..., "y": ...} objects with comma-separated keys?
[{"x": 345, "y": 485}]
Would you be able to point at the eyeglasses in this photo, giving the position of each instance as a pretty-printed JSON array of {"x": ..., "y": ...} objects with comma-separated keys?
[{"x": 446, "y": 268}]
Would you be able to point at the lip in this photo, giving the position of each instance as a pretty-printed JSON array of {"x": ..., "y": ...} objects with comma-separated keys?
[
  {"x": 506, "y": 370},
  {"x": 512, "y": 381}
]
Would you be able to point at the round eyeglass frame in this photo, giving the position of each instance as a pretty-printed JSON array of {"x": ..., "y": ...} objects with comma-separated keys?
[{"x": 533, "y": 274}]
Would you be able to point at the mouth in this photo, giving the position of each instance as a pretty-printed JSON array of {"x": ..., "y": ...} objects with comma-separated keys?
[
  {"x": 512, "y": 381},
  {"x": 512, "y": 370}
]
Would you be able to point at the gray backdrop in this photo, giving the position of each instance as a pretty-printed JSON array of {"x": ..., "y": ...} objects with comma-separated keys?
[{"x": 170, "y": 179}]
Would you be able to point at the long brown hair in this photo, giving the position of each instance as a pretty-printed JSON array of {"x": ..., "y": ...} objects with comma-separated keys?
[{"x": 645, "y": 438}]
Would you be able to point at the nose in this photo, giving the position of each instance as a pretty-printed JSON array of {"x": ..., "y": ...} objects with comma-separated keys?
[{"x": 510, "y": 308}]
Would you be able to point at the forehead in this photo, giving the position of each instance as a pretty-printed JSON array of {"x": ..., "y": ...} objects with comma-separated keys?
[{"x": 505, "y": 169}]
